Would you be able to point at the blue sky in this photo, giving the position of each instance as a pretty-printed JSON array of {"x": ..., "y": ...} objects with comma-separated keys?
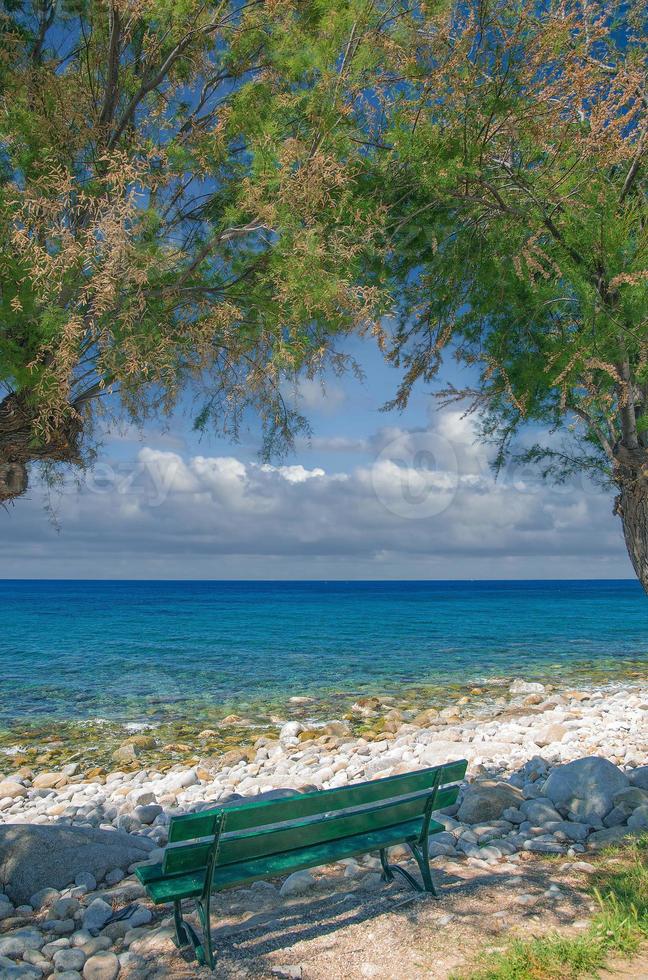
[{"x": 371, "y": 495}]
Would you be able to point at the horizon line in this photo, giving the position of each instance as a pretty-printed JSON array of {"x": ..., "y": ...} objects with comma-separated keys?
[{"x": 319, "y": 580}]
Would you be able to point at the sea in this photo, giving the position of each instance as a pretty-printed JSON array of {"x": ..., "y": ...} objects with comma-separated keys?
[{"x": 133, "y": 651}]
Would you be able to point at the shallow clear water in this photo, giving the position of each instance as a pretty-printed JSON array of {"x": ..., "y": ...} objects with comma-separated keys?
[{"x": 130, "y": 650}]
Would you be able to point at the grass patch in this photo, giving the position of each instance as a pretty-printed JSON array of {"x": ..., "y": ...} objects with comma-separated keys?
[{"x": 620, "y": 888}]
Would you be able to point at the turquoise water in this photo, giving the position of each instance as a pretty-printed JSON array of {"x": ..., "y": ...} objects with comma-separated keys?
[{"x": 133, "y": 650}]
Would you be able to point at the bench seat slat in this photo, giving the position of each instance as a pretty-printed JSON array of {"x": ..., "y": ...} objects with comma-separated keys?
[
  {"x": 165, "y": 888},
  {"x": 245, "y": 816}
]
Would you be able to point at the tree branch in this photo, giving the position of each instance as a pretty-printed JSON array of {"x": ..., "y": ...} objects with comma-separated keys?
[{"x": 112, "y": 76}]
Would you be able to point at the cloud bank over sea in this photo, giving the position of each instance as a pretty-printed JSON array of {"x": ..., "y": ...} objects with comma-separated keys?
[{"x": 401, "y": 503}]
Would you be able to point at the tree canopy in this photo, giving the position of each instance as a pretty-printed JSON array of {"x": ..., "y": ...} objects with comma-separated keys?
[
  {"x": 519, "y": 229},
  {"x": 177, "y": 210}
]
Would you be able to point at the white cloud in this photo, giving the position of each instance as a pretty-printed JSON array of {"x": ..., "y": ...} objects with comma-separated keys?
[
  {"x": 426, "y": 506},
  {"x": 294, "y": 474},
  {"x": 168, "y": 471}
]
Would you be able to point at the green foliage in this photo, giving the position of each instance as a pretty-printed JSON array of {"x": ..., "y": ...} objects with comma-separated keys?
[
  {"x": 179, "y": 207},
  {"x": 517, "y": 192}
]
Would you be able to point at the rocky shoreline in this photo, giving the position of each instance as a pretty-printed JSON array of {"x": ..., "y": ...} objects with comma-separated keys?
[
  {"x": 550, "y": 772},
  {"x": 163, "y": 735}
]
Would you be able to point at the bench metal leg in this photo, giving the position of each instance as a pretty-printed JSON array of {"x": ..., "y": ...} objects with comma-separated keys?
[
  {"x": 388, "y": 872},
  {"x": 204, "y": 951},
  {"x": 181, "y": 935},
  {"x": 420, "y": 854},
  {"x": 186, "y": 935}
]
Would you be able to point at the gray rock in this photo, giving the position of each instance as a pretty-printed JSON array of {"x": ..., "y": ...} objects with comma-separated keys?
[
  {"x": 21, "y": 940},
  {"x": 96, "y": 944},
  {"x": 69, "y": 959},
  {"x": 639, "y": 818},
  {"x": 610, "y": 835},
  {"x": 513, "y": 815},
  {"x": 592, "y": 781},
  {"x": 531, "y": 791},
  {"x": 639, "y": 777},
  {"x": 24, "y": 971},
  {"x": 543, "y": 847},
  {"x": 101, "y": 966},
  {"x": 539, "y": 811},
  {"x": 86, "y": 880},
  {"x": 37, "y": 959},
  {"x": 568, "y": 830},
  {"x": 115, "y": 876},
  {"x": 53, "y": 947},
  {"x": 297, "y": 883},
  {"x": 96, "y": 915},
  {"x": 60, "y": 927},
  {"x": 631, "y": 798},
  {"x": 617, "y": 816},
  {"x": 487, "y": 801},
  {"x": 44, "y": 897},
  {"x": 438, "y": 849},
  {"x": 505, "y": 847},
  {"x": 146, "y": 814},
  {"x": 63, "y": 908},
  {"x": 33, "y": 856},
  {"x": 127, "y": 823}
]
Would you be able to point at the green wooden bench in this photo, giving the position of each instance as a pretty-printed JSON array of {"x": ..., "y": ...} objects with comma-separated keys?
[{"x": 216, "y": 849}]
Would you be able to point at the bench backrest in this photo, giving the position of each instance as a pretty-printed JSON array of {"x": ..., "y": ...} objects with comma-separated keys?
[{"x": 245, "y": 831}]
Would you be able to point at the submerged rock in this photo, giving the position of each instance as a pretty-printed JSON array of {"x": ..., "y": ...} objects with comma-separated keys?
[{"x": 520, "y": 686}]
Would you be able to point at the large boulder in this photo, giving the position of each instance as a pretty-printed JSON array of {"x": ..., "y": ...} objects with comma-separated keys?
[
  {"x": 487, "y": 800},
  {"x": 33, "y": 856},
  {"x": 585, "y": 785}
]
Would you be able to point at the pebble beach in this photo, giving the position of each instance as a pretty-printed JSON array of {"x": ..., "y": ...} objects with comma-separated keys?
[{"x": 551, "y": 770}]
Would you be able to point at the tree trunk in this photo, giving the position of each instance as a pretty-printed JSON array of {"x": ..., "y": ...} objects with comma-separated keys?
[
  {"x": 631, "y": 505},
  {"x": 19, "y": 445}
]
